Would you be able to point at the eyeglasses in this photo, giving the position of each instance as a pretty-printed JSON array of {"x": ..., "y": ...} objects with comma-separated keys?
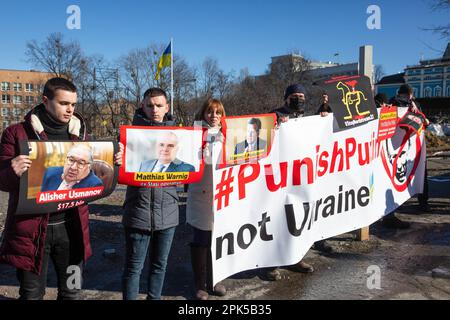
[{"x": 80, "y": 163}]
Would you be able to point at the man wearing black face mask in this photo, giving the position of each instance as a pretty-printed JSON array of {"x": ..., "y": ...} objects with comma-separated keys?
[{"x": 294, "y": 106}]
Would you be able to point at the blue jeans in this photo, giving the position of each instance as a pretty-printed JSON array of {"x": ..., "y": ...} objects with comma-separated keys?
[{"x": 139, "y": 244}]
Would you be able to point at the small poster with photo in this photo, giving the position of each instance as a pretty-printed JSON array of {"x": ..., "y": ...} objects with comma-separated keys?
[
  {"x": 247, "y": 138},
  {"x": 161, "y": 156},
  {"x": 66, "y": 174}
]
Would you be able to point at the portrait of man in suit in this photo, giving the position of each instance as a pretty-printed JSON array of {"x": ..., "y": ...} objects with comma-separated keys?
[
  {"x": 75, "y": 174},
  {"x": 167, "y": 146},
  {"x": 253, "y": 145}
]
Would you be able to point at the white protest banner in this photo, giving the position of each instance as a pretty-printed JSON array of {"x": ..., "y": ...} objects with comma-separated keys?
[{"x": 314, "y": 184}]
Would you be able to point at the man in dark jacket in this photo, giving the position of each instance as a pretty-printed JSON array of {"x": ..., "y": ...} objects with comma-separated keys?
[
  {"x": 150, "y": 215},
  {"x": 30, "y": 241},
  {"x": 294, "y": 107}
]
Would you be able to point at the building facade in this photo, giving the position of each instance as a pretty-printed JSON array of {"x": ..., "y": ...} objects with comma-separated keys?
[
  {"x": 20, "y": 91},
  {"x": 429, "y": 79},
  {"x": 389, "y": 85},
  {"x": 318, "y": 70}
]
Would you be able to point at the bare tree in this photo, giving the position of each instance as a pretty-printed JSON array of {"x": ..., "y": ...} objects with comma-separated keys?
[
  {"x": 378, "y": 73},
  {"x": 138, "y": 68},
  {"x": 261, "y": 94},
  {"x": 56, "y": 56},
  {"x": 208, "y": 76},
  {"x": 185, "y": 91},
  {"x": 224, "y": 83},
  {"x": 443, "y": 30}
]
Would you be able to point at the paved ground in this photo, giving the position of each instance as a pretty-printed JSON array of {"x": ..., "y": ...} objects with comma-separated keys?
[{"x": 405, "y": 258}]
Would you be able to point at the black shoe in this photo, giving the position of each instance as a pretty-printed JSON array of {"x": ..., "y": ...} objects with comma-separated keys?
[
  {"x": 323, "y": 246},
  {"x": 302, "y": 267},
  {"x": 220, "y": 290},
  {"x": 392, "y": 222},
  {"x": 424, "y": 207}
]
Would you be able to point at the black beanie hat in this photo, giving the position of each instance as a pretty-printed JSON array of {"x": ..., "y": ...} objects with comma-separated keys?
[
  {"x": 294, "y": 88},
  {"x": 405, "y": 89},
  {"x": 381, "y": 98}
]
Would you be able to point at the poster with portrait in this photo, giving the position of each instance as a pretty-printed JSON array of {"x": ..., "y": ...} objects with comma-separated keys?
[
  {"x": 66, "y": 174},
  {"x": 247, "y": 138},
  {"x": 161, "y": 156},
  {"x": 351, "y": 100}
]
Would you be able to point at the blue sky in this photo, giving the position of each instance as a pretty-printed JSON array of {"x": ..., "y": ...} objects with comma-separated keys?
[{"x": 239, "y": 33}]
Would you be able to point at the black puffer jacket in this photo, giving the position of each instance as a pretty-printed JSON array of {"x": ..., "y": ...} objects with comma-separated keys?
[
  {"x": 403, "y": 102},
  {"x": 150, "y": 209}
]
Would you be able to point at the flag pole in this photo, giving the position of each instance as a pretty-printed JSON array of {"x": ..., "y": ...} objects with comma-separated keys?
[{"x": 171, "y": 76}]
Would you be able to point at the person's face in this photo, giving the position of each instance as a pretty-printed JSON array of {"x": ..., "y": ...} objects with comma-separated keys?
[
  {"x": 62, "y": 106},
  {"x": 155, "y": 108},
  {"x": 212, "y": 116},
  {"x": 252, "y": 133},
  {"x": 325, "y": 98},
  {"x": 166, "y": 148},
  {"x": 407, "y": 96},
  {"x": 77, "y": 166},
  {"x": 300, "y": 96}
]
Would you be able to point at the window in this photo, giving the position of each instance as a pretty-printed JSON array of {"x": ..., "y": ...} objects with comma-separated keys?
[
  {"x": 427, "y": 92},
  {"x": 5, "y": 124},
  {"x": 6, "y": 98},
  {"x": 5, "y": 86},
  {"x": 448, "y": 91},
  {"x": 29, "y": 87},
  {"x": 29, "y": 99},
  {"x": 437, "y": 91},
  {"x": 17, "y": 99},
  {"x": 4, "y": 112},
  {"x": 17, "y": 86},
  {"x": 415, "y": 92}
]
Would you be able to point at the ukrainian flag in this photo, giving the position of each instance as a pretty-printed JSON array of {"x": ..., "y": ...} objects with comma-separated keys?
[{"x": 165, "y": 60}]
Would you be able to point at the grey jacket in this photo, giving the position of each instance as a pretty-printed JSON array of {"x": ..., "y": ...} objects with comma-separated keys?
[{"x": 150, "y": 209}]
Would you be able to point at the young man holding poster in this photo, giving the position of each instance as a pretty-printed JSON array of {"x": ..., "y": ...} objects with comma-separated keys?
[
  {"x": 150, "y": 214},
  {"x": 30, "y": 241}
]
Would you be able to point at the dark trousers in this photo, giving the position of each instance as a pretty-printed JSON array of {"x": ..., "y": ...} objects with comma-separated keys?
[
  {"x": 63, "y": 247},
  {"x": 423, "y": 197},
  {"x": 201, "y": 238},
  {"x": 139, "y": 244}
]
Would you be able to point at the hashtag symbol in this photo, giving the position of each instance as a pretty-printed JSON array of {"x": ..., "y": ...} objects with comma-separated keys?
[{"x": 224, "y": 188}]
